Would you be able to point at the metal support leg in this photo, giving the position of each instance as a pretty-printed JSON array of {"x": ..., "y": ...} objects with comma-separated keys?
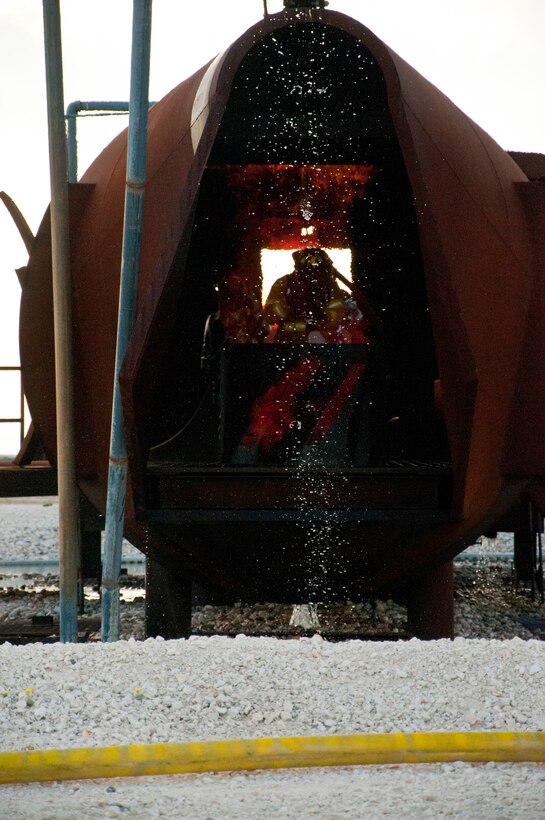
[
  {"x": 430, "y": 604},
  {"x": 91, "y": 524},
  {"x": 524, "y": 544},
  {"x": 168, "y": 602},
  {"x": 91, "y": 565}
]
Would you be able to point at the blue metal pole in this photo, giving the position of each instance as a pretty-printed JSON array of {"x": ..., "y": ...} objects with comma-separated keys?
[
  {"x": 72, "y": 142},
  {"x": 69, "y": 531},
  {"x": 130, "y": 263}
]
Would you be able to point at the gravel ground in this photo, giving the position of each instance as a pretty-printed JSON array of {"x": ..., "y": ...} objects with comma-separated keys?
[
  {"x": 29, "y": 531},
  {"x": 458, "y": 791},
  {"x": 59, "y": 696}
]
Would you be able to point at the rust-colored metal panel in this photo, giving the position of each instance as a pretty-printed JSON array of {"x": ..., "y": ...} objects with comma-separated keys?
[
  {"x": 525, "y": 440},
  {"x": 37, "y": 345},
  {"x": 30, "y": 480},
  {"x": 231, "y": 490},
  {"x": 481, "y": 281},
  {"x": 533, "y": 165}
]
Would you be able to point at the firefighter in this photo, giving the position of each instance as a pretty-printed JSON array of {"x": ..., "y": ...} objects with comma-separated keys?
[
  {"x": 307, "y": 413},
  {"x": 309, "y": 306}
]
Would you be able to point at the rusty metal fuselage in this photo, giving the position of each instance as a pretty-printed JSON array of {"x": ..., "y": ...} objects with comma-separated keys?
[{"x": 446, "y": 239}]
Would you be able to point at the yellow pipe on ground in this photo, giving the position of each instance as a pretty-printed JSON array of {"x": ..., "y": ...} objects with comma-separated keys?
[{"x": 270, "y": 753}]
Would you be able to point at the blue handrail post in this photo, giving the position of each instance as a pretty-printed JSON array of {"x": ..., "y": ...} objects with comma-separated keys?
[
  {"x": 72, "y": 142},
  {"x": 130, "y": 263}
]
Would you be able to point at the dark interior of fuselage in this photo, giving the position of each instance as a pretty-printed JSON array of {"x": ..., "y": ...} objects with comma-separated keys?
[{"x": 306, "y": 155}]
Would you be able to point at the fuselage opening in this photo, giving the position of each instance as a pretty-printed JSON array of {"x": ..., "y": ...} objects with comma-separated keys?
[{"x": 303, "y": 334}]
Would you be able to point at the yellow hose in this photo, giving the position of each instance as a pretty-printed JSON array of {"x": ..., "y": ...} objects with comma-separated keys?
[{"x": 270, "y": 753}]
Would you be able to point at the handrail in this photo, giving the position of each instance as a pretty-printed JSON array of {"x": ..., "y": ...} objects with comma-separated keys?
[{"x": 92, "y": 108}]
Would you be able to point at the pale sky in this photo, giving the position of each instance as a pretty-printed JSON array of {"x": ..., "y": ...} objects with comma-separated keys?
[{"x": 486, "y": 55}]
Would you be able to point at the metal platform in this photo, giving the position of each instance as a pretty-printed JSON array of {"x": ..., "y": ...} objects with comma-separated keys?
[
  {"x": 38, "y": 478},
  {"x": 397, "y": 493}
]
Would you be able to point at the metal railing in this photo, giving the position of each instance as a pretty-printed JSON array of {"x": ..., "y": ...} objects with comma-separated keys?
[{"x": 89, "y": 108}]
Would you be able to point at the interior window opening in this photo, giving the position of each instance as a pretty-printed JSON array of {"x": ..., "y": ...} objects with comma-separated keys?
[
  {"x": 303, "y": 334},
  {"x": 279, "y": 262}
]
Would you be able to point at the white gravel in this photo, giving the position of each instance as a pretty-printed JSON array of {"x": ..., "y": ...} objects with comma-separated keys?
[
  {"x": 29, "y": 531},
  {"x": 460, "y": 791},
  {"x": 60, "y": 696},
  {"x": 155, "y": 690}
]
